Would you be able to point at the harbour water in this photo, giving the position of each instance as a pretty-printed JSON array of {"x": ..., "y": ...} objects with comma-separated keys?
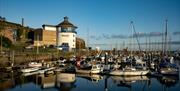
[{"x": 86, "y": 82}]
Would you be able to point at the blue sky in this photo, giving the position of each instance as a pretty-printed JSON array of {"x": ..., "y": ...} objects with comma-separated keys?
[{"x": 102, "y": 18}]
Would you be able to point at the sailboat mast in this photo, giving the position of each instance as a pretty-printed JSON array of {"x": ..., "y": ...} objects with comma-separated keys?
[
  {"x": 169, "y": 43},
  {"x": 165, "y": 44},
  {"x": 87, "y": 42},
  {"x": 136, "y": 36},
  {"x": 131, "y": 41}
]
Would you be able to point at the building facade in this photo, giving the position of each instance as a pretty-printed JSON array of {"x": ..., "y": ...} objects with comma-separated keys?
[
  {"x": 66, "y": 35},
  {"x": 45, "y": 36},
  {"x": 63, "y": 35}
]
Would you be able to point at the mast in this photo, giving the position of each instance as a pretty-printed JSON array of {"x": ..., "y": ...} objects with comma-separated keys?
[
  {"x": 165, "y": 42},
  {"x": 149, "y": 43},
  {"x": 131, "y": 38},
  {"x": 88, "y": 41},
  {"x": 133, "y": 30},
  {"x": 146, "y": 43},
  {"x": 169, "y": 43}
]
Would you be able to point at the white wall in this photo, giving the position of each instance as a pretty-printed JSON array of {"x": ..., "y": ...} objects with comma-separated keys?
[
  {"x": 67, "y": 37},
  {"x": 50, "y": 28}
]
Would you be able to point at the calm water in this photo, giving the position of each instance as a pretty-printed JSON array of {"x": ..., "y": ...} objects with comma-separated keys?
[{"x": 85, "y": 82}]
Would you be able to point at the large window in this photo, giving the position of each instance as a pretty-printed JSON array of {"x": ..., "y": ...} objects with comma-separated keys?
[{"x": 64, "y": 30}]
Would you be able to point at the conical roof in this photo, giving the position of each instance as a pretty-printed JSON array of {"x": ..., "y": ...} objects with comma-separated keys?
[{"x": 66, "y": 23}]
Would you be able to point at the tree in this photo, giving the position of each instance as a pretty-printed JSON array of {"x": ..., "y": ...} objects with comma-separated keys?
[
  {"x": 1, "y": 31},
  {"x": 19, "y": 33},
  {"x": 5, "y": 42}
]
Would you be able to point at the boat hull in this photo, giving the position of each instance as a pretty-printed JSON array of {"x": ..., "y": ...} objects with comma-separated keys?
[
  {"x": 170, "y": 71},
  {"x": 129, "y": 73},
  {"x": 88, "y": 71},
  {"x": 26, "y": 70}
]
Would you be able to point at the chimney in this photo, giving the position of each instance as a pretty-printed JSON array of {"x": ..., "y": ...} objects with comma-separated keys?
[{"x": 22, "y": 22}]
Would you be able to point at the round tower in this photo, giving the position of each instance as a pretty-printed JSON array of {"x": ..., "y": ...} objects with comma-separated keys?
[{"x": 66, "y": 35}]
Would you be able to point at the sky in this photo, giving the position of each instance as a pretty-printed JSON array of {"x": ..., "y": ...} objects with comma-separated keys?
[{"x": 104, "y": 23}]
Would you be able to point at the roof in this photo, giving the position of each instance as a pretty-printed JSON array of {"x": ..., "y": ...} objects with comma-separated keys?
[
  {"x": 48, "y": 25},
  {"x": 66, "y": 23}
]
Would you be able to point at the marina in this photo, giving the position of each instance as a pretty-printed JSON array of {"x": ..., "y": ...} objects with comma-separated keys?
[
  {"x": 89, "y": 45},
  {"x": 73, "y": 76},
  {"x": 88, "y": 82}
]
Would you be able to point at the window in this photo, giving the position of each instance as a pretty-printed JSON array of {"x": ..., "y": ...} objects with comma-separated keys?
[
  {"x": 64, "y": 29},
  {"x": 65, "y": 35},
  {"x": 69, "y": 28}
]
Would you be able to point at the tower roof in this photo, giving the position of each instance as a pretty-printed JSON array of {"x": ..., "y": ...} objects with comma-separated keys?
[{"x": 66, "y": 23}]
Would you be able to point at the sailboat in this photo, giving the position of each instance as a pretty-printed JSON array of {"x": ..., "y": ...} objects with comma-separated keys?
[
  {"x": 93, "y": 69},
  {"x": 86, "y": 67},
  {"x": 168, "y": 67},
  {"x": 129, "y": 71}
]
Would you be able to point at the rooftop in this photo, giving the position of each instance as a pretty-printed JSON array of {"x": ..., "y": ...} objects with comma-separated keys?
[{"x": 66, "y": 23}]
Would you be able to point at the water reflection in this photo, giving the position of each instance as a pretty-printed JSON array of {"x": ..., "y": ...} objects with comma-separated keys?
[
  {"x": 7, "y": 80},
  {"x": 75, "y": 82},
  {"x": 168, "y": 81},
  {"x": 62, "y": 81},
  {"x": 130, "y": 81},
  {"x": 91, "y": 77}
]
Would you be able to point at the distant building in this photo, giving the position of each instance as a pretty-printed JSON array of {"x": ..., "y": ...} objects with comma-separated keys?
[
  {"x": 45, "y": 36},
  {"x": 62, "y": 35},
  {"x": 80, "y": 43}
]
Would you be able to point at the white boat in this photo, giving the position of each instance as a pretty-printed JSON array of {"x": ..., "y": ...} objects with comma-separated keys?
[
  {"x": 39, "y": 71},
  {"x": 43, "y": 70},
  {"x": 31, "y": 69},
  {"x": 129, "y": 72},
  {"x": 167, "y": 68},
  {"x": 34, "y": 64},
  {"x": 49, "y": 72},
  {"x": 94, "y": 69},
  {"x": 30, "y": 73},
  {"x": 169, "y": 71}
]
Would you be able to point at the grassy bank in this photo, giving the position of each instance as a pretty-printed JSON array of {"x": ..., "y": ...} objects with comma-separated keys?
[{"x": 21, "y": 56}]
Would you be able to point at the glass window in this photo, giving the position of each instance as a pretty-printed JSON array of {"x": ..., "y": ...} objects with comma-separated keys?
[{"x": 69, "y": 28}]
